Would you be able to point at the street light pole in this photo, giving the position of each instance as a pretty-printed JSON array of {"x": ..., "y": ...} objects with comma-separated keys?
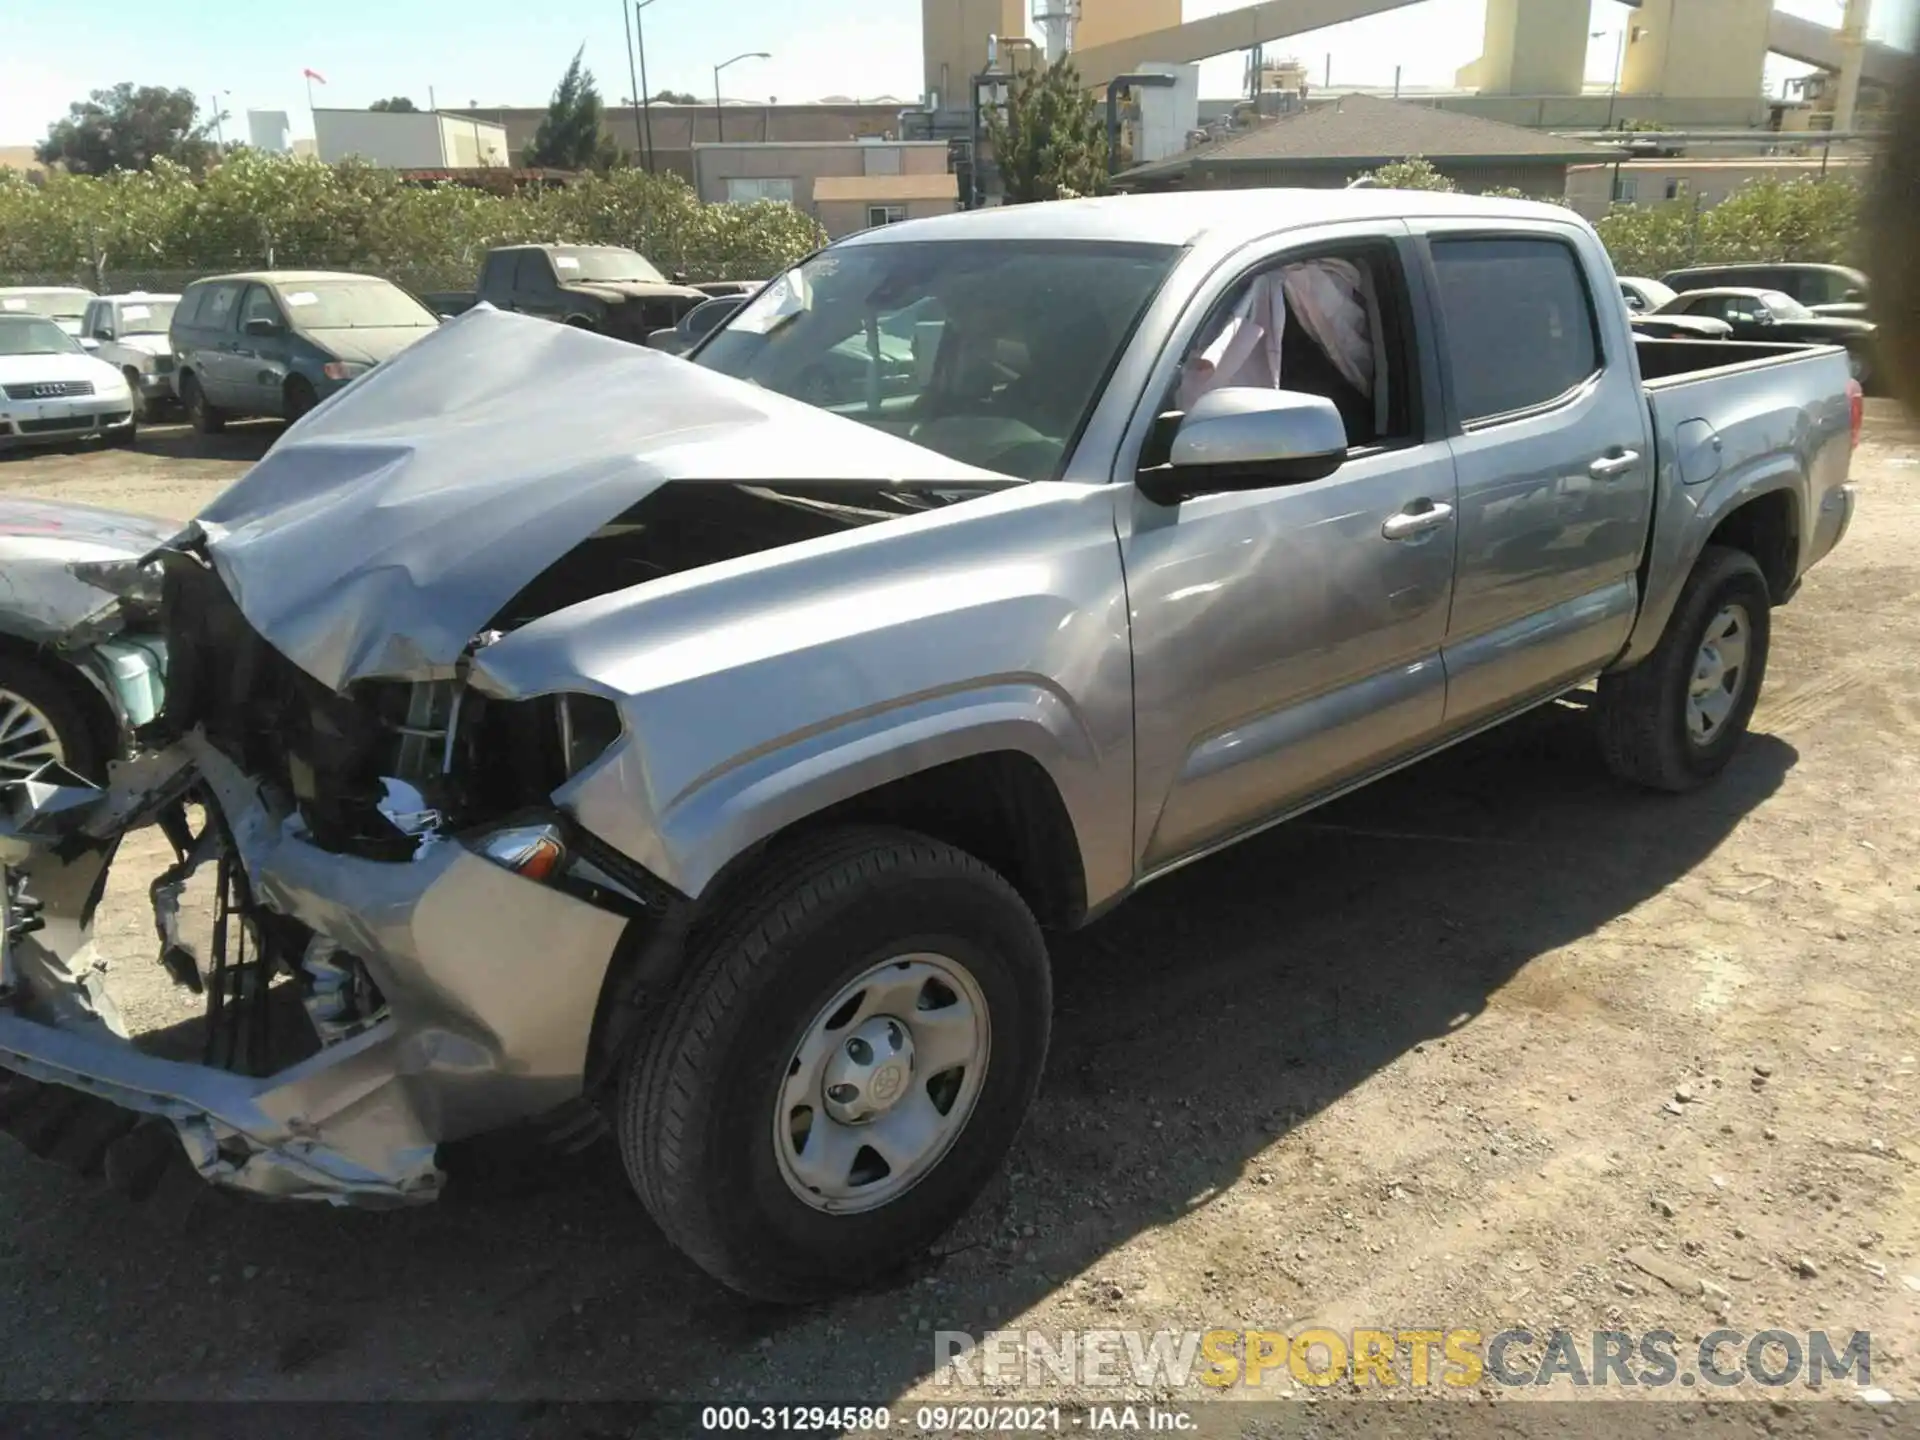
[
  {"x": 646, "y": 100},
  {"x": 639, "y": 140},
  {"x": 1619, "y": 59},
  {"x": 719, "y": 115}
]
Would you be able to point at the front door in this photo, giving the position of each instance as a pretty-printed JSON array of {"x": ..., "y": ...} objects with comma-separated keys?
[
  {"x": 1554, "y": 463},
  {"x": 261, "y": 374},
  {"x": 1287, "y": 641}
]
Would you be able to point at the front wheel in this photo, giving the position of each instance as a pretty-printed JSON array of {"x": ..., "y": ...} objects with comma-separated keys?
[
  {"x": 141, "y": 409},
  {"x": 1673, "y": 721},
  {"x": 41, "y": 723},
  {"x": 843, "y": 1066}
]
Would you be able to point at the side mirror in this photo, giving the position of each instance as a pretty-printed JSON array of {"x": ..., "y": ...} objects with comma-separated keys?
[
  {"x": 87, "y": 342},
  {"x": 1249, "y": 439},
  {"x": 261, "y": 326}
]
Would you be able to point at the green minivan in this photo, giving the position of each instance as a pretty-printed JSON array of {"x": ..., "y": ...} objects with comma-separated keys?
[{"x": 280, "y": 341}]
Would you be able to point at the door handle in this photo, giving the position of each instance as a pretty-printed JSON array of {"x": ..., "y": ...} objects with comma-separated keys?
[
  {"x": 1416, "y": 519},
  {"x": 1608, "y": 466}
]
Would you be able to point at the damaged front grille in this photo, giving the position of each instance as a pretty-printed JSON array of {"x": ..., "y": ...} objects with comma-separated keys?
[{"x": 374, "y": 772}]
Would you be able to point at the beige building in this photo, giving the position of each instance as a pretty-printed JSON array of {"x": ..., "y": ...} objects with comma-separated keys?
[
  {"x": 1592, "y": 188},
  {"x": 1104, "y": 21},
  {"x": 1325, "y": 146},
  {"x": 409, "y": 139},
  {"x": 846, "y": 186},
  {"x": 21, "y": 158},
  {"x": 1532, "y": 47},
  {"x": 953, "y": 44},
  {"x": 678, "y": 128}
]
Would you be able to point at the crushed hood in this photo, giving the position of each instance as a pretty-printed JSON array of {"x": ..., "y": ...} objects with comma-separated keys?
[{"x": 389, "y": 526}]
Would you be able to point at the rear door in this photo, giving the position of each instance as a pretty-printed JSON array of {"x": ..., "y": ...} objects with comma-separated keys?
[{"x": 1554, "y": 462}]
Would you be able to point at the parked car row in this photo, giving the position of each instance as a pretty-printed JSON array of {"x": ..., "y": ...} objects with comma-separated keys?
[
  {"x": 277, "y": 343},
  {"x": 1758, "y": 303}
]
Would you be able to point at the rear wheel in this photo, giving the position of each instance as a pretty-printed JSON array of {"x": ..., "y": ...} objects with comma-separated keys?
[
  {"x": 1673, "y": 721},
  {"x": 41, "y": 723},
  {"x": 843, "y": 1066},
  {"x": 206, "y": 418}
]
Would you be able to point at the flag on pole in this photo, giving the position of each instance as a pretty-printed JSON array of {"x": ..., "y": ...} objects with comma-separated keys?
[{"x": 314, "y": 75}]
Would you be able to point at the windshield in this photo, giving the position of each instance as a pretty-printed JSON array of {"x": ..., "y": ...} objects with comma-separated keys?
[
  {"x": 1784, "y": 306},
  {"x": 603, "y": 263},
  {"x": 146, "y": 317},
  {"x": 353, "y": 305},
  {"x": 1651, "y": 292},
  {"x": 57, "y": 304},
  {"x": 991, "y": 353},
  {"x": 34, "y": 337}
]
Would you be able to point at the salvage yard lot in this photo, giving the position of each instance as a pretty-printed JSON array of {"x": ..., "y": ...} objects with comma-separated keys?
[{"x": 1440, "y": 1055}]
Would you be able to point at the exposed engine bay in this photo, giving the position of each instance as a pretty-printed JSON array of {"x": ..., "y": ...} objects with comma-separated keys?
[{"x": 412, "y": 936}]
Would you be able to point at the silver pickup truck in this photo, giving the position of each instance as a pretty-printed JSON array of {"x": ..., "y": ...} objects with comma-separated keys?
[{"x": 711, "y": 744}]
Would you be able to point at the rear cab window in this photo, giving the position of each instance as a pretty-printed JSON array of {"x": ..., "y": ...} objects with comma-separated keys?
[
  {"x": 533, "y": 273},
  {"x": 1522, "y": 334}
]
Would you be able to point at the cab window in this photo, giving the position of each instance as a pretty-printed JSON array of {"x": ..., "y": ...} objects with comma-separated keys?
[{"x": 1329, "y": 323}]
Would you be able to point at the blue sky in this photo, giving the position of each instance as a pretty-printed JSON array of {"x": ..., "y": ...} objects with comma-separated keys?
[{"x": 512, "y": 51}]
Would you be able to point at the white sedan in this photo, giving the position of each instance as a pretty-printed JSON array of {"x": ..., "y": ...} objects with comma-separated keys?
[{"x": 51, "y": 390}]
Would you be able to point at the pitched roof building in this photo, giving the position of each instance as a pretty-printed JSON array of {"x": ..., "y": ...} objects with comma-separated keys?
[{"x": 1326, "y": 145}]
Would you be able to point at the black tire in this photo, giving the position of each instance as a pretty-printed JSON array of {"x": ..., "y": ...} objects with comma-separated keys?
[
  {"x": 126, "y": 439},
  {"x": 140, "y": 408},
  {"x": 206, "y": 418},
  {"x": 55, "y": 697},
  {"x": 700, "y": 1092},
  {"x": 299, "y": 398},
  {"x": 1642, "y": 712}
]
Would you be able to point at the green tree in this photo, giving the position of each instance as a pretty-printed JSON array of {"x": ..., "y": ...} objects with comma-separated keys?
[
  {"x": 570, "y": 137},
  {"x": 128, "y": 129},
  {"x": 1416, "y": 172},
  {"x": 396, "y": 104},
  {"x": 1051, "y": 143},
  {"x": 677, "y": 97}
]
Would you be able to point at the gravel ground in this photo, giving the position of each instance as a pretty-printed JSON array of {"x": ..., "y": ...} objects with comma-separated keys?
[{"x": 1494, "y": 1043}]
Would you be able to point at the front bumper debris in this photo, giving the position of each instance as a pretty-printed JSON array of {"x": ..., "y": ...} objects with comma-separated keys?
[{"x": 489, "y": 985}]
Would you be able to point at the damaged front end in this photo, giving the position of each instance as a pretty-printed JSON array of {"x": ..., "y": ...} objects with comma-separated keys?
[
  {"x": 411, "y": 940},
  {"x": 381, "y": 975}
]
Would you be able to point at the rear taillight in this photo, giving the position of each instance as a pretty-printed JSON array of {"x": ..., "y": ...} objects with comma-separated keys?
[{"x": 1856, "y": 410}]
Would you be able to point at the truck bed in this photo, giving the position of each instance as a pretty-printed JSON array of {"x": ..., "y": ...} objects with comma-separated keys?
[
  {"x": 1664, "y": 362},
  {"x": 1733, "y": 420}
]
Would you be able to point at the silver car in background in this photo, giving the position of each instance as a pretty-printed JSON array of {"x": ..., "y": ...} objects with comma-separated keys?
[{"x": 129, "y": 332}]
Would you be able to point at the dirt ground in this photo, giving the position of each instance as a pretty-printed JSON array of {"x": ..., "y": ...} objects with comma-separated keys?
[{"x": 1448, "y": 1053}]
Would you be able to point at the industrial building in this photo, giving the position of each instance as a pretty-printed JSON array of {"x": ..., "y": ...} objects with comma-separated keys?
[
  {"x": 409, "y": 139},
  {"x": 846, "y": 185},
  {"x": 1326, "y": 146},
  {"x": 1689, "y": 65}
]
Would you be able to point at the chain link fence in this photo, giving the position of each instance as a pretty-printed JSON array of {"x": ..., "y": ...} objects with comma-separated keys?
[{"x": 115, "y": 280}]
